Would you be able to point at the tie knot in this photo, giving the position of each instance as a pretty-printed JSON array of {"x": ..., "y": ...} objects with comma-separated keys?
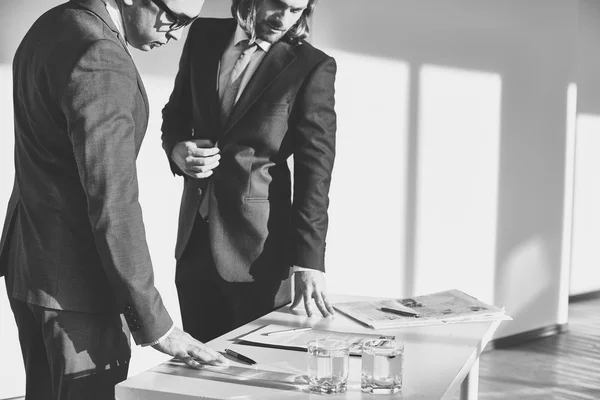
[
  {"x": 246, "y": 47},
  {"x": 245, "y": 43}
]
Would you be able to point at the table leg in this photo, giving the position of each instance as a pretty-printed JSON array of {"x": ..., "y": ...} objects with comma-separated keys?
[{"x": 469, "y": 389}]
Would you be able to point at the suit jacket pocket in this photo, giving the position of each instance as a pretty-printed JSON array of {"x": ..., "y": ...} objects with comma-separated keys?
[{"x": 256, "y": 199}]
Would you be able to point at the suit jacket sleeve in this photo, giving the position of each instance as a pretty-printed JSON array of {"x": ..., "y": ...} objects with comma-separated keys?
[
  {"x": 99, "y": 102},
  {"x": 177, "y": 113},
  {"x": 313, "y": 123}
]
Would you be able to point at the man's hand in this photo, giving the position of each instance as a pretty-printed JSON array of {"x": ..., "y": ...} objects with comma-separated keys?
[
  {"x": 181, "y": 345},
  {"x": 196, "y": 158},
  {"x": 311, "y": 285}
]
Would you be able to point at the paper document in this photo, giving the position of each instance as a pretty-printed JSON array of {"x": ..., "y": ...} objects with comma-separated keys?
[
  {"x": 298, "y": 340},
  {"x": 246, "y": 375},
  {"x": 438, "y": 308}
]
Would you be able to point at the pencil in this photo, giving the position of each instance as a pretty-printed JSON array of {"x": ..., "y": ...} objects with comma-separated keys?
[
  {"x": 399, "y": 312},
  {"x": 288, "y": 331}
]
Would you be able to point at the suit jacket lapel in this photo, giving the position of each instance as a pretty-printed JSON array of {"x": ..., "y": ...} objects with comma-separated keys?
[
  {"x": 279, "y": 57},
  {"x": 99, "y": 8},
  {"x": 209, "y": 62}
]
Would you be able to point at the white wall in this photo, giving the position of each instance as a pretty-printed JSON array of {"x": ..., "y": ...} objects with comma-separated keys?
[
  {"x": 452, "y": 149},
  {"x": 585, "y": 271},
  {"x": 451, "y": 153}
]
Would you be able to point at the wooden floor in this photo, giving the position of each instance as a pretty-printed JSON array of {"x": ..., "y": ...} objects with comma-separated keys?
[{"x": 561, "y": 367}]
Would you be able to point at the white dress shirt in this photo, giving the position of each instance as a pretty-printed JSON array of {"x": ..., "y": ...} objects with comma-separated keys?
[
  {"x": 230, "y": 56},
  {"x": 115, "y": 15}
]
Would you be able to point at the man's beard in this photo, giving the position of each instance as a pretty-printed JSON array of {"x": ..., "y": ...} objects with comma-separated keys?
[{"x": 268, "y": 32}]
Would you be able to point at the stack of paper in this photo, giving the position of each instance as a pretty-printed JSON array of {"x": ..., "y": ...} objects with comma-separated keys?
[
  {"x": 438, "y": 308},
  {"x": 299, "y": 340}
]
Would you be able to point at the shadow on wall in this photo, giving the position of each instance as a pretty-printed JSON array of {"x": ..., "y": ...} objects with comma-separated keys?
[{"x": 461, "y": 109}]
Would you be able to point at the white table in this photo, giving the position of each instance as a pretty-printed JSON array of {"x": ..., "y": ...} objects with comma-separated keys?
[{"x": 437, "y": 361}]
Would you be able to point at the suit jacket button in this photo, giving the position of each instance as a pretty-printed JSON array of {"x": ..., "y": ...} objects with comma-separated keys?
[{"x": 199, "y": 192}]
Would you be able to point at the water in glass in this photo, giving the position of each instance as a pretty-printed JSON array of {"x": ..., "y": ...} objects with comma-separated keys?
[
  {"x": 382, "y": 366},
  {"x": 328, "y": 366}
]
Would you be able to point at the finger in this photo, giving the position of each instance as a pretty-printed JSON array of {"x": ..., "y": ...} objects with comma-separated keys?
[
  {"x": 203, "y": 143},
  {"x": 307, "y": 299},
  {"x": 203, "y": 151},
  {"x": 220, "y": 361},
  {"x": 207, "y": 355},
  {"x": 202, "y": 168},
  {"x": 190, "y": 362},
  {"x": 204, "y": 353},
  {"x": 297, "y": 298},
  {"x": 328, "y": 304},
  {"x": 200, "y": 175},
  {"x": 200, "y": 160},
  {"x": 320, "y": 304}
]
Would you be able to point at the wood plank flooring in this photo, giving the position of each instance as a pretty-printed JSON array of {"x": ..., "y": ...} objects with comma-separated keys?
[{"x": 560, "y": 367}]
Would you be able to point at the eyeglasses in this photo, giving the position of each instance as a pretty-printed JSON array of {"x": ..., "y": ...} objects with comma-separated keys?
[{"x": 179, "y": 22}]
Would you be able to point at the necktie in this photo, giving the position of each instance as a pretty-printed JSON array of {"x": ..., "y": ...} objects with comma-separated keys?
[
  {"x": 237, "y": 73},
  {"x": 227, "y": 103}
]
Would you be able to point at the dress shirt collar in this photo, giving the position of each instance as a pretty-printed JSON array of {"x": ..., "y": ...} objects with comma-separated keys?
[
  {"x": 240, "y": 35},
  {"x": 115, "y": 15}
]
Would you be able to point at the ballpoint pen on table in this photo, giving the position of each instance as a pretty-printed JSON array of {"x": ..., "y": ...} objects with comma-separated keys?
[
  {"x": 240, "y": 357},
  {"x": 399, "y": 312},
  {"x": 288, "y": 331}
]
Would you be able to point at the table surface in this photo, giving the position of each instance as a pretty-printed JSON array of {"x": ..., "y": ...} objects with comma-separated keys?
[{"x": 436, "y": 360}]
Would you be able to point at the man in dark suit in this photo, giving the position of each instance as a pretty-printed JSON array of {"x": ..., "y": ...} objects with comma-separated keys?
[
  {"x": 73, "y": 247},
  {"x": 249, "y": 94}
]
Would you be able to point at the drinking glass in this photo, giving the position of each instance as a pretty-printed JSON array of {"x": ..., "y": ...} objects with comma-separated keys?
[
  {"x": 381, "y": 366},
  {"x": 328, "y": 365}
]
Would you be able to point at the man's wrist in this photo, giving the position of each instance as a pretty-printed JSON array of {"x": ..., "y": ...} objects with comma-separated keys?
[
  {"x": 296, "y": 268},
  {"x": 160, "y": 339}
]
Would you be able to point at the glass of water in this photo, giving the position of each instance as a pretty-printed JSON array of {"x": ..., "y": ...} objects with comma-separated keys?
[
  {"x": 328, "y": 366},
  {"x": 381, "y": 366}
]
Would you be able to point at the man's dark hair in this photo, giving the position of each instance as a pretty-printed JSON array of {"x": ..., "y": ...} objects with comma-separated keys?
[{"x": 244, "y": 11}]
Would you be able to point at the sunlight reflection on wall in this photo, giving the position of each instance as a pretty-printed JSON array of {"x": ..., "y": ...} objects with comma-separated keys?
[
  {"x": 457, "y": 184},
  {"x": 568, "y": 210},
  {"x": 367, "y": 223},
  {"x": 586, "y": 219}
]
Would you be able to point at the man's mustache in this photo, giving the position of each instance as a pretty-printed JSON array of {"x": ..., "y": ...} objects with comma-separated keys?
[{"x": 274, "y": 24}]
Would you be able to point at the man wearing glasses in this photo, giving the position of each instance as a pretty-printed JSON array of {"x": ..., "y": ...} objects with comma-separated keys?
[
  {"x": 250, "y": 93},
  {"x": 73, "y": 248}
]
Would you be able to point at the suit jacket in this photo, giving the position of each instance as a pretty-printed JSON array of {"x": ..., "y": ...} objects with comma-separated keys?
[
  {"x": 256, "y": 229},
  {"x": 73, "y": 233}
]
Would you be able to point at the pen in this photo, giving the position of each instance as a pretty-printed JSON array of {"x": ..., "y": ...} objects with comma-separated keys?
[
  {"x": 399, "y": 312},
  {"x": 240, "y": 357},
  {"x": 288, "y": 331}
]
